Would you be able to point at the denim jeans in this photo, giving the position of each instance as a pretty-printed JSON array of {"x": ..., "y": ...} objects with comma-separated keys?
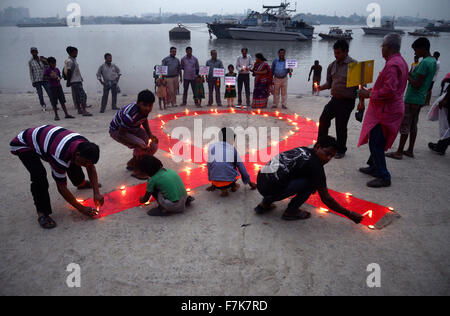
[
  {"x": 377, "y": 160},
  {"x": 300, "y": 187},
  {"x": 39, "y": 85}
]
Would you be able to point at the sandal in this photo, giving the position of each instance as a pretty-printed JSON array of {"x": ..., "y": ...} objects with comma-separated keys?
[
  {"x": 158, "y": 211},
  {"x": 407, "y": 154},
  {"x": 394, "y": 155},
  {"x": 262, "y": 210},
  {"x": 300, "y": 215},
  {"x": 46, "y": 222},
  {"x": 87, "y": 185}
]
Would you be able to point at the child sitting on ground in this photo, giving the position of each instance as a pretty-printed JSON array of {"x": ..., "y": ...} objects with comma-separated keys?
[
  {"x": 230, "y": 90},
  {"x": 223, "y": 165},
  {"x": 161, "y": 83},
  {"x": 199, "y": 91},
  {"x": 53, "y": 76},
  {"x": 166, "y": 187}
]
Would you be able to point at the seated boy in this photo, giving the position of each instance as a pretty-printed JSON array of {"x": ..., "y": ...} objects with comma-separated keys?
[
  {"x": 126, "y": 129},
  {"x": 299, "y": 172},
  {"x": 223, "y": 160},
  {"x": 166, "y": 187}
]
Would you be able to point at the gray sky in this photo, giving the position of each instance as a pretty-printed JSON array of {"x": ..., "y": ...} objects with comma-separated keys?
[{"x": 437, "y": 9}]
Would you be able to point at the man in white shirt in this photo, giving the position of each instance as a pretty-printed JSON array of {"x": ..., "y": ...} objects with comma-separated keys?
[
  {"x": 109, "y": 74},
  {"x": 436, "y": 55},
  {"x": 244, "y": 64}
]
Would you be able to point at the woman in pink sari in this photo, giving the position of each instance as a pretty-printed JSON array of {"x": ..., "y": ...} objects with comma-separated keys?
[
  {"x": 385, "y": 113},
  {"x": 263, "y": 82}
]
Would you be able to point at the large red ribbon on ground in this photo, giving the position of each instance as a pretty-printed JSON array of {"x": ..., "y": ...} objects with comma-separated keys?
[{"x": 303, "y": 133}]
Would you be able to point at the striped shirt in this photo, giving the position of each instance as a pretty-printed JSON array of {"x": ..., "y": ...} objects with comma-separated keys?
[
  {"x": 128, "y": 117},
  {"x": 54, "y": 144}
]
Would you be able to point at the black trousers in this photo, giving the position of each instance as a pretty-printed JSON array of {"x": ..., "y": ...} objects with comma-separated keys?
[
  {"x": 186, "y": 84},
  {"x": 39, "y": 182},
  {"x": 339, "y": 109},
  {"x": 300, "y": 188},
  {"x": 244, "y": 80}
]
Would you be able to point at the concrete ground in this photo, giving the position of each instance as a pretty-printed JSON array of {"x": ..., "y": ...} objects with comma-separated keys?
[{"x": 206, "y": 251}]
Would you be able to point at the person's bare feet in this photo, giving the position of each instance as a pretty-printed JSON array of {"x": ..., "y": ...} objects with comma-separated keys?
[
  {"x": 235, "y": 187},
  {"x": 224, "y": 193},
  {"x": 408, "y": 154}
]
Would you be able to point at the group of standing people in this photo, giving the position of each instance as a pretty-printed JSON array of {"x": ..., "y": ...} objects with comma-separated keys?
[
  {"x": 268, "y": 80},
  {"x": 45, "y": 75},
  {"x": 391, "y": 110}
]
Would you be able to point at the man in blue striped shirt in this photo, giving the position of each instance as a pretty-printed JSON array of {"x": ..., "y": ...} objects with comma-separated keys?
[
  {"x": 125, "y": 128},
  {"x": 66, "y": 152}
]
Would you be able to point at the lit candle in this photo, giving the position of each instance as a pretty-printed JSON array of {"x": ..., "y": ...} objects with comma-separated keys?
[
  {"x": 325, "y": 210},
  {"x": 348, "y": 194},
  {"x": 368, "y": 213},
  {"x": 123, "y": 187},
  {"x": 371, "y": 227}
]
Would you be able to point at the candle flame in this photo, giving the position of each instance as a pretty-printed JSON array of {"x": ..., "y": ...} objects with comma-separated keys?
[
  {"x": 371, "y": 227},
  {"x": 325, "y": 210},
  {"x": 368, "y": 213},
  {"x": 123, "y": 187}
]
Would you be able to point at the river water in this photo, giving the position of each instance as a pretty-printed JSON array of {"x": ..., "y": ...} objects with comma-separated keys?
[{"x": 137, "y": 48}]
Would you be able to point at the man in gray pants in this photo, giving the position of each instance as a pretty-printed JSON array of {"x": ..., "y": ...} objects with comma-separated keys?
[{"x": 109, "y": 75}]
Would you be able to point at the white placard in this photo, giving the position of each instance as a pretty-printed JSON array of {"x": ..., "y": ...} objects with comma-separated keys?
[
  {"x": 219, "y": 73},
  {"x": 230, "y": 81},
  {"x": 291, "y": 63},
  {"x": 162, "y": 70},
  {"x": 204, "y": 71}
]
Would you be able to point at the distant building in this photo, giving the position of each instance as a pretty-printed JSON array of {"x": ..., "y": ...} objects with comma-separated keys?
[
  {"x": 12, "y": 16},
  {"x": 203, "y": 14}
]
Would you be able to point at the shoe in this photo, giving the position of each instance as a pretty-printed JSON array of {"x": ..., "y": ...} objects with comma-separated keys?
[
  {"x": 102, "y": 111},
  {"x": 57, "y": 118},
  {"x": 434, "y": 147},
  {"x": 284, "y": 107},
  {"x": 296, "y": 216},
  {"x": 379, "y": 183},
  {"x": 115, "y": 108},
  {"x": 69, "y": 117},
  {"x": 339, "y": 156},
  {"x": 87, "y": 114},
  {"x": 274, "y": 106},
  {"x": 369, "y": 171},
  {"x": 189, "y": 200}
]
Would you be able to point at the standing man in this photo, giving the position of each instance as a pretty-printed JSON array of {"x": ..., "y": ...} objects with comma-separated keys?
[
  {"x": 214, "y": 82},
  {"x": 111, "y": 76},
  {"x": 385, "y": 113},
  {"x": 37, "y": 67},
  {"x": 317, "y": 76},
  {"x": 280, "y": 75},
  {"x": 75, "y": 81},
  {"x": 244, "y": 64},
  {"x": 343, "y": 99},
  {"x": 66, "y": 152},
  {"x": 436, "y": 56},
  {"x": 191, "y": 68},
  {"x": 415, "y": 97},
  {"x": 174, "y": 71}
]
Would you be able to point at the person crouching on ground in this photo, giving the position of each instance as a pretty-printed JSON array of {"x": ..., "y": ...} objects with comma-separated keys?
[
  {"x": 224, "y": 163},
  {"x": 126, "y": 129},
  {"x": 66, "y": 152},
  {"x": 166, "y": 187},
  {"x": 300, "y": 172}
]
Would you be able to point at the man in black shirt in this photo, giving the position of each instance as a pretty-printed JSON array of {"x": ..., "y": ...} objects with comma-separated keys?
[{"x": 300, "y": 172}]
